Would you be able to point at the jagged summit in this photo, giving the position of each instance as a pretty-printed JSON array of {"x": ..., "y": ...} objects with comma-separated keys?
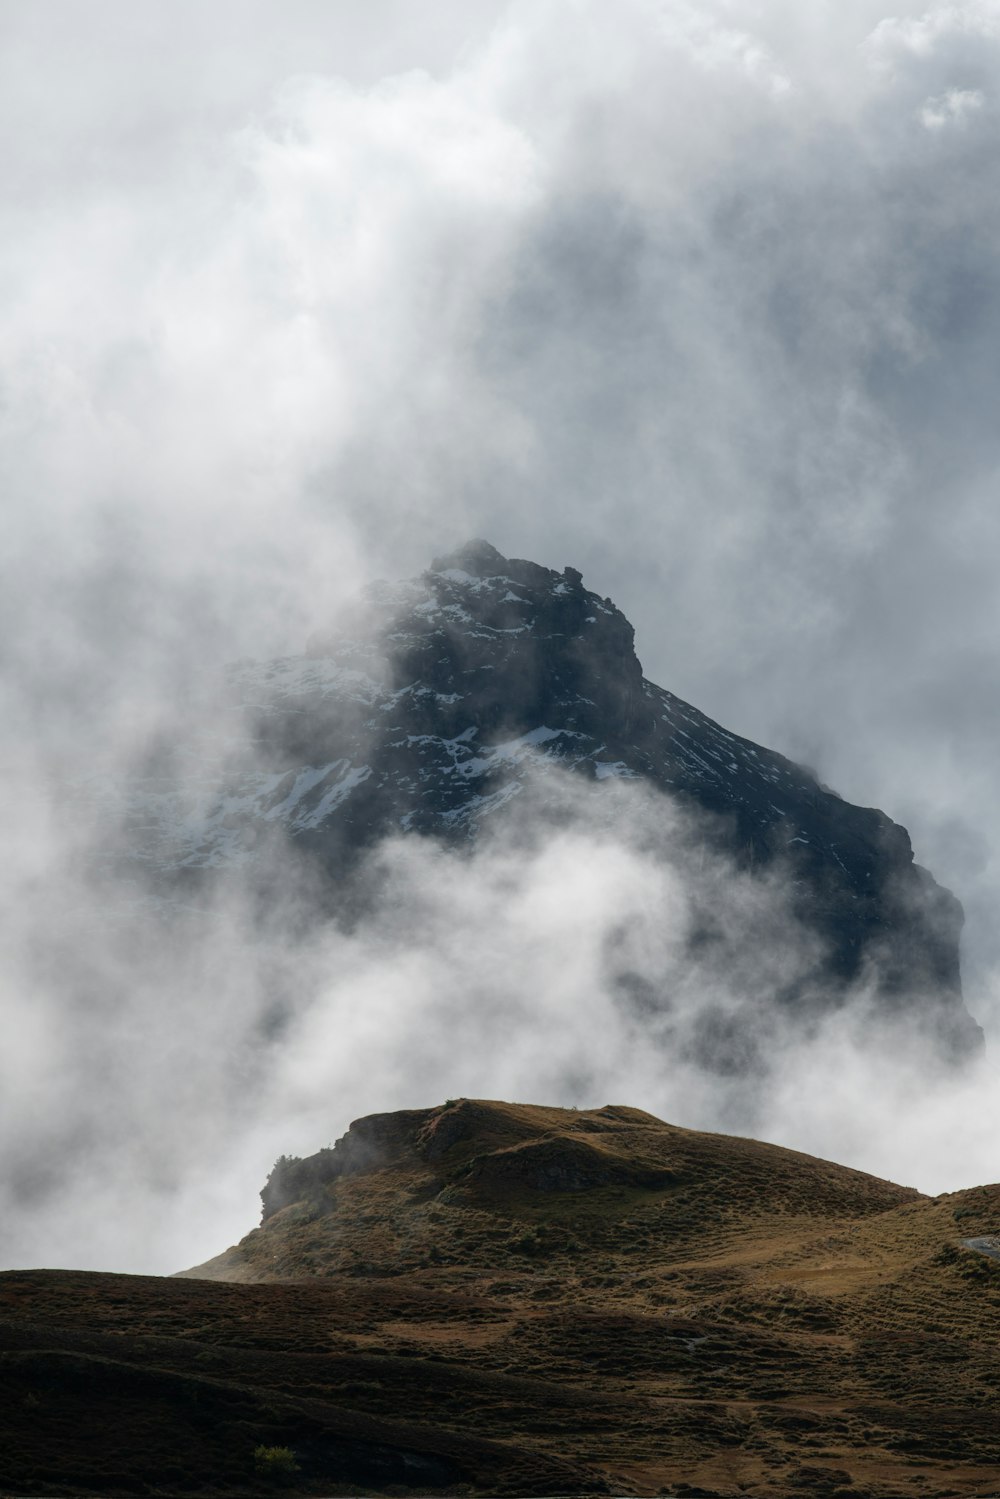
[
  {"x": 477, "y": 557},
  {"x": 480, "y": 559},
  {"x": 439, "y": 701}
]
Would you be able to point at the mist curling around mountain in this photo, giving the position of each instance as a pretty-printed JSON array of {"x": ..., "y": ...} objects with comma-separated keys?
[{"x": 491, "y": 694}]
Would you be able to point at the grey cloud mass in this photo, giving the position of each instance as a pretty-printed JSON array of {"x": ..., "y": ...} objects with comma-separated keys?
[{"x": 703, "y": 299}]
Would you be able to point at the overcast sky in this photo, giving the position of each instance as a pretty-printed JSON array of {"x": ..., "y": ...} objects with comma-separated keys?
[{"x": 701, "y": 298}]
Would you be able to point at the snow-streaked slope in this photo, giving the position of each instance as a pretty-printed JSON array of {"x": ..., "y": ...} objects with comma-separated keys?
[{"x": 437, "y": 701}]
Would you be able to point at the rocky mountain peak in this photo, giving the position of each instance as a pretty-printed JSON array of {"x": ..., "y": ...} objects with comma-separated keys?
[
  {"x": 478, "y": 558},
  {"x": 438, "y": 702}
]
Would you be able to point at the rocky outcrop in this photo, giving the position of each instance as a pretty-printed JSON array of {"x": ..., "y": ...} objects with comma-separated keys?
[
  {"x": 479, "y": 1154},
  {"x": 371, "y": 1144},
  {"x": 478, "y": 1146},
  {"x": 558, "y": 1164}
]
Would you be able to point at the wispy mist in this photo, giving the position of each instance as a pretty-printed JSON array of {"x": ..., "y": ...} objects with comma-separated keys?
[
  {"x": 588, "y": 949},
  {"x": 703, "y": 300}
]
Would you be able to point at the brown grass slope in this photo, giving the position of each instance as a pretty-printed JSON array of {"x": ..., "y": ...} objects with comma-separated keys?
[{"x": 505, "y": 1299}]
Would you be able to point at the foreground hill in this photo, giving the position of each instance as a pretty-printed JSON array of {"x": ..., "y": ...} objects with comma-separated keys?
[
  {"x": 502, "y": 1299},
  {"x": 439, "y": 703}
]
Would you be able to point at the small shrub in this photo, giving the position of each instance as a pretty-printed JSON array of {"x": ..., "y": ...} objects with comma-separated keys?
[{"x": 276, "y": 1464}]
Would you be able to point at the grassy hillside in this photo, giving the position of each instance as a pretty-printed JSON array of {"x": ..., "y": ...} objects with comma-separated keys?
[{"x": 508, "y": 1299}]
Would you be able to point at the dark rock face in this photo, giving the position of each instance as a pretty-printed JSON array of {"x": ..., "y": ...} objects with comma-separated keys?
[
  {"x": 370, "y": 1144},
  {"x": 434, "y": 706},
  {"x": 562, "y": 1166},
  {"x": 475, "y": 1145}
]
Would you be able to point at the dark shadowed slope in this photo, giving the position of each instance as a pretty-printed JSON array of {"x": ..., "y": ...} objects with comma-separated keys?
[{"x": 504, "y": 1299}]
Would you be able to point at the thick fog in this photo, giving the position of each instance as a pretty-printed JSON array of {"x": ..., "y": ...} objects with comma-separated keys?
[{"x": 701, "y": 299}]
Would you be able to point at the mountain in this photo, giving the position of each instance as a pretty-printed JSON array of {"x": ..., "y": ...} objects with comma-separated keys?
[
  {"x": 440, "y": 704},
  {"x": 491, "y": 1298}
]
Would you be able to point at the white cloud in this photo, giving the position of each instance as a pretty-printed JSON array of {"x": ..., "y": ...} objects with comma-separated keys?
[
  {"x": 951, "y": 108},
  {"x": 924, "y": 34},
  {"x": 162, "y": 1058}
]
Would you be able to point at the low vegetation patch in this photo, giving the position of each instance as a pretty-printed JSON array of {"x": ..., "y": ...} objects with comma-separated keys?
[{"x": 275, "y": 1464}]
